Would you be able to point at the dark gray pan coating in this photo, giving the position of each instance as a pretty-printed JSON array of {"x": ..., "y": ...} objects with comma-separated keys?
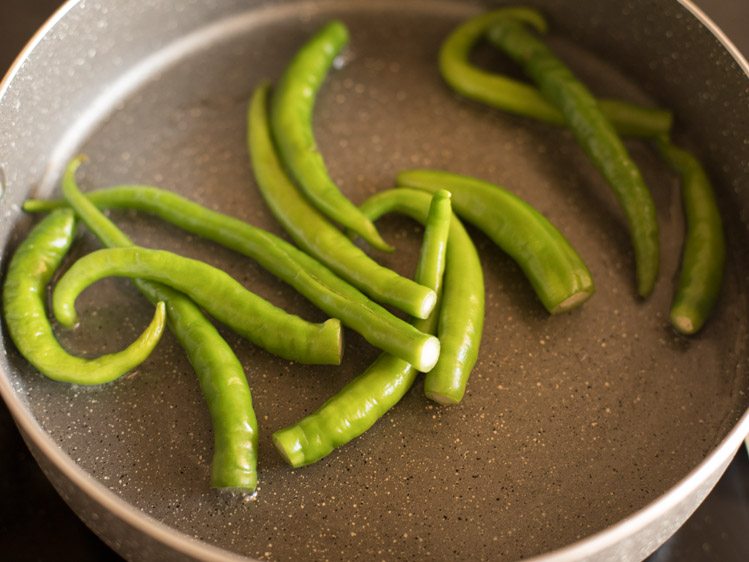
[{"x": 569, "y": 424}]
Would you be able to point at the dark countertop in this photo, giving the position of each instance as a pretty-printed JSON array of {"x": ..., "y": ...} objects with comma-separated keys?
[{"x": 35, "y": 523}]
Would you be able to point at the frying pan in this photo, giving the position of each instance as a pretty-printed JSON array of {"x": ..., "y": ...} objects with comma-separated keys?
[{"x": 589, "y": 435}]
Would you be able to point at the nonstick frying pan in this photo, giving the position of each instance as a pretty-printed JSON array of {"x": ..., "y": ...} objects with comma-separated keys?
[{"x": 592, "y": 434}]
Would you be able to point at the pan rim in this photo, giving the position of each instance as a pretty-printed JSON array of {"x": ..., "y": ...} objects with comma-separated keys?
[
  {"x": 187, "y": 545},
  {"x": 40, "y": 33},
  {"x": 717, "y": 32}
]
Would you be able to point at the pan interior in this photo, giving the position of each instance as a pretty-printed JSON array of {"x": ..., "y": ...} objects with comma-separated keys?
[{"x": 570, "y": 422}]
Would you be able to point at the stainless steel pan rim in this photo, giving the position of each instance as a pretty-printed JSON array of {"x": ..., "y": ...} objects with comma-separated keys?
[
  {"x": 711, "y": 467},
  {"x": 718, "y": 33}
]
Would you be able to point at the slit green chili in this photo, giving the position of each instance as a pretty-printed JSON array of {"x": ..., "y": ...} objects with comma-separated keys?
[
  {"x": 523, "y": 99},
  {"x": 558, "y": 275},
  {"x": 461, "y": 312},
  {"x": 704, "y": 254},
  {"x": 24, "y": 292},
  {"x": 309, "y": 277},
  {"x": 291, "y": 121},
  {"x": 220, "y": 374},
  {"x": 594, "y": 134},
  {"x": 365, "y": 399},
  {"x": 260, "y": 322},
  {"x": 314, "y": 233}
]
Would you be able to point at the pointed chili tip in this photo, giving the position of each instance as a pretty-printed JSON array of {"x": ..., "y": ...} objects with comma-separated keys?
[{"x": 376, "y": 241}]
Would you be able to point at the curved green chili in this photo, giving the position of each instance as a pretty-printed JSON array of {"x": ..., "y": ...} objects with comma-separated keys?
[
  {"x": 251, "y": 316},
  {"x": 309, "y": 277},
  {"x": 220, "y": 374},
  {"x": 523, "y": 99},
  {"x": 291, "y": 120},
  {"x": 364, "y": 400},
  {"x": 594, "y": 134},
  {"x": 314, "y": 233},
  {"x": 461, "y": 313},
  {"x": 555, "y": 270},
  {"x": 704, "y": 254},
  {"x": 24, "y": 292}
]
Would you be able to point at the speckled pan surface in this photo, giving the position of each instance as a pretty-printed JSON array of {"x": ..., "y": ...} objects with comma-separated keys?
[{"x": 570, "y": 423}]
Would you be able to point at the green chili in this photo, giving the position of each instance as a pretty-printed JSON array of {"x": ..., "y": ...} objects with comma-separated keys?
[
  {"x": 220, "y": 374},
  {"x": 432, "y": 257},
  {"x": 461, "y": 313},
  {"x": 704, "y": 254},
  {"x": 594, "y": 134},
  {"x": 24, "y": 292},
  {"x": 523, "y": 99},
  {"x": 555, "y": 270},
  {"x": 291, "y": 120},
  {"x": 370, "y": 395},
  {"x": 251, "y": 316},
  {"x": 348, "y": 414},
  {"x": 309, "y": 277},
  {"x": 314, "y": 233}
]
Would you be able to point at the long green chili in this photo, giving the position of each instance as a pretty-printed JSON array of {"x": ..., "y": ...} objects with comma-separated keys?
[
  {"x": 314, "y": 233},
  {"x": 555, "y": 270},
  {"x": 523, "y": 99},
  {"x": 291, "y": 120},
  {"x": 594, "y": 134},
  {"x": 24, "y": 293},
  {"x": 224, "y": 298},
  {"x": 704, "y": 254},
  {"x": 461, "y": 312}
]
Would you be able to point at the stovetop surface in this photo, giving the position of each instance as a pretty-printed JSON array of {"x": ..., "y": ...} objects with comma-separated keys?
[{"x": 36, "y": 524}]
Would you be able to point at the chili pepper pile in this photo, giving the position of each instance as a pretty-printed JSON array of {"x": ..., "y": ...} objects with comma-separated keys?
[
  {"x": 561, "y": 99},
  {"x": 446, "y": 297}
]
